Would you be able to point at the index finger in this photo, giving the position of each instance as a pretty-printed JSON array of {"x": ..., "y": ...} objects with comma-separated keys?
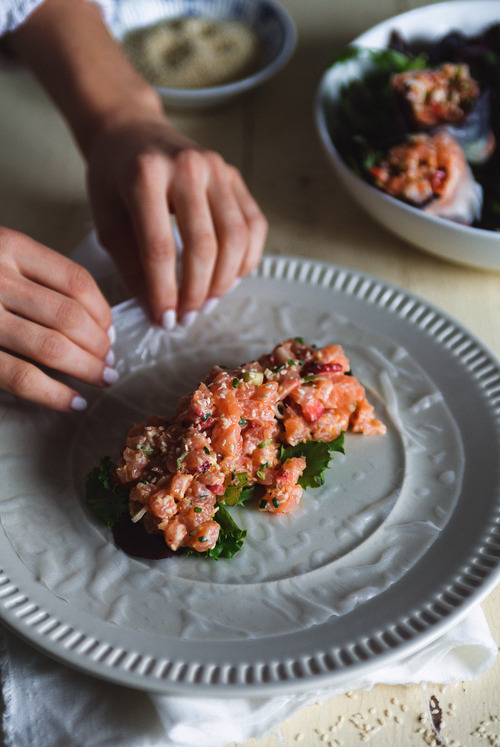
[{"x": 61, "y": 274}]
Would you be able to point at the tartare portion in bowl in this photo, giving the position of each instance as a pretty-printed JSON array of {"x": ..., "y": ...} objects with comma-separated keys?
[
  {"x": 259, "y": 433},
  {"x": 419, "y": 121}
]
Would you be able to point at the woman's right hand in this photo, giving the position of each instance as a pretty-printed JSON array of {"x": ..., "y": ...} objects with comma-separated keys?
[{"x": 53, "y": 314}]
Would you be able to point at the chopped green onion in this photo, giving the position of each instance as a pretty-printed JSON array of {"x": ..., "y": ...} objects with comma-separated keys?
[
  {"x": 253, "y": 377},
  {"x": 147, "y": 450},
  {"x": 181, "y": 459}
]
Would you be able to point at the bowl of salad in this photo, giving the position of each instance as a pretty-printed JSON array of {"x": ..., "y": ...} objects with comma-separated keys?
[{"x": 409, "y": 117}]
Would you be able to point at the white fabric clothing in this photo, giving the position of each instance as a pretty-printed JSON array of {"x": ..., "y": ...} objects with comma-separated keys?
[{"x": 15, "y": 12}]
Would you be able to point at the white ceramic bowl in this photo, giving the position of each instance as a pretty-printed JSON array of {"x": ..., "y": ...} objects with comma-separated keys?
[
  {"x": 452, "y": 241},
  {"x": 271, "y": 23}
]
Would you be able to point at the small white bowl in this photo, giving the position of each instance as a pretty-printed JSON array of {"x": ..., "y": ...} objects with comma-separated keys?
[
  {"x": 271, "y": 23},
  {"x": 463, "y": 244}
]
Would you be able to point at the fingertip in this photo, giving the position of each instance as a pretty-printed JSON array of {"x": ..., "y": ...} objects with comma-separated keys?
[
  {"x": 169, "y": 319},
  {"x": 112, "y": 334},
  {"x": 210, "y": 304},
  {"x": 109, "y": 375},
  {"x": 189, "y": 318},
  {"x": 78, "y": 403}
]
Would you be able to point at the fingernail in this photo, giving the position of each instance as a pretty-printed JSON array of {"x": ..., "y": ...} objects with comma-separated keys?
[
  {"x": 169, "y": 319},
  {"x": 210, "y": 305},
  {"x": 109, "y": 375},
  {"x": 78, "y": 403},
  {"x": 188, "y": 318},
  {"x": 110, "y": 358},
  {"x": 112, "y": 334},
  {"x": 235, "y": 284}
]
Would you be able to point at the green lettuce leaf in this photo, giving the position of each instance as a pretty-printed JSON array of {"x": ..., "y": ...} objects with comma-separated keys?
[
  {"x": 106, "y": 500},
  {"x": 239, "y": 492},
  {"x": 230, "y": 539},
  {"x": 318, "y": 455}
]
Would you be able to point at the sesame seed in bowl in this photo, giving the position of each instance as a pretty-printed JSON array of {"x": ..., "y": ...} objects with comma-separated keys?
[{"x": 201, "y": 53}]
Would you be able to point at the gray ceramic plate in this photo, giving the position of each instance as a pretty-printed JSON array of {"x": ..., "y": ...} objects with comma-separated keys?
[{"x": 393, "y": 550}]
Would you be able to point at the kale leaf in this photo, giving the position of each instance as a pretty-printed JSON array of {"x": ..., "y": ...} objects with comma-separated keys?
[
  {"x": 318, "y": 455},
  {"x": 107, "y": 501},
  {"x": 230, "y": 539}
]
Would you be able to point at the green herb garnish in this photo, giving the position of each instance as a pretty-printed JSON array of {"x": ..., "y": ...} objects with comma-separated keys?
[{"x": 107, "y": 501}]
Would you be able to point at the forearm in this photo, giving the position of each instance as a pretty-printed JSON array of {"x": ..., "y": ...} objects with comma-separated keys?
[
  {"x": 69, "y": 48},
  {"x": 140, "y": 169}
]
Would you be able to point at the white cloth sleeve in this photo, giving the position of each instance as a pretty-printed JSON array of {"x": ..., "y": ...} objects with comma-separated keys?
[{"x": 14, "y": 12}]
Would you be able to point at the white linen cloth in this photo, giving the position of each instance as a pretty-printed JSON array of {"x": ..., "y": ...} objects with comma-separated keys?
[
  {"x": 49, "y": 704},
  {"x": 15, "y": 12}
]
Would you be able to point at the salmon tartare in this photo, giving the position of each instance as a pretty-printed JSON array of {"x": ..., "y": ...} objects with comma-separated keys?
[{"x": 236, "y": 430}]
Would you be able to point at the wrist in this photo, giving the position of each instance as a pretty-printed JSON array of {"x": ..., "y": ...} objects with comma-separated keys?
[
  {"x": 115, "y": 111},
  {"x": 84, "y": 69}
]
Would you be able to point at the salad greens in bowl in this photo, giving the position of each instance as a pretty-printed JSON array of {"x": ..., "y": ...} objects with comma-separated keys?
[{"x": 408, "y": 115}]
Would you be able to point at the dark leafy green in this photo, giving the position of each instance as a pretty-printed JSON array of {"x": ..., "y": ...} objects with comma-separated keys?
[
  {"x": 318, "y": 455},
  {"x": 239, "y": 492},
  {"x": 365, "y": 117},
  {"x": 107, "y": 501},
  {"x": 230, "y": 539}
]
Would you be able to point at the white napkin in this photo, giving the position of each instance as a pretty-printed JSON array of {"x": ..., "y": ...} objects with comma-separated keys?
[{"x": 47, "y": 703}]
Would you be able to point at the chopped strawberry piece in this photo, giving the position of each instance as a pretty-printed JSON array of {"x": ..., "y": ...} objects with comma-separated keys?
[
  {"x": 318, "y": 368},
  {"x": 312, "y": 410}
]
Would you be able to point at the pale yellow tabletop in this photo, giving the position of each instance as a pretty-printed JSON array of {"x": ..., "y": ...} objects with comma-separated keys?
[{"x": 271, "y": 136}]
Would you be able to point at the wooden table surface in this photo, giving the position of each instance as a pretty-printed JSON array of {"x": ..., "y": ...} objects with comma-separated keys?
[{"x": 271, "y": 136}]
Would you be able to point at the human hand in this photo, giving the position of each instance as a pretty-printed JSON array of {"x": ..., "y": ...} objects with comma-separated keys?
[
  {"x": 139, "y": 171},
  {"x": 51, "y": 313}
]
